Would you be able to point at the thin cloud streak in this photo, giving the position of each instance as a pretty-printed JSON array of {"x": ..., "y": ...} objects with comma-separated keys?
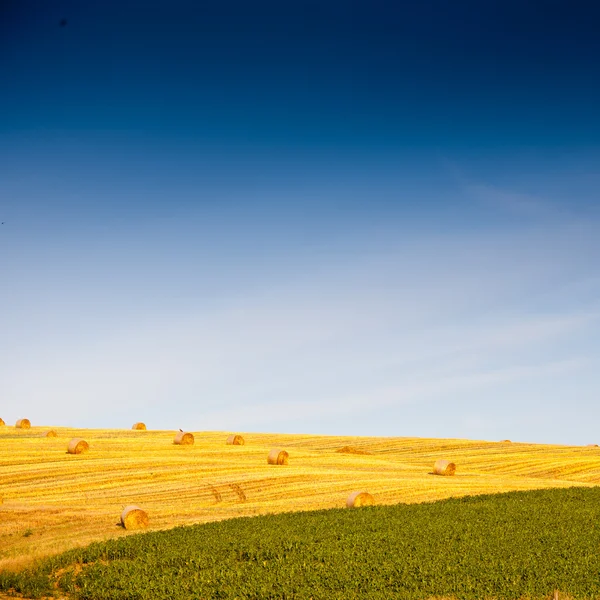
[
  {"x": 410, "y": 393},
  {"x": 401, "y": 328}
]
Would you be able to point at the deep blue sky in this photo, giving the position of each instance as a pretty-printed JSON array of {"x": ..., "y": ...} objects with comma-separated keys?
[
  {"x": 338, "y": 217},
  {"x": 387, "y": 75}
]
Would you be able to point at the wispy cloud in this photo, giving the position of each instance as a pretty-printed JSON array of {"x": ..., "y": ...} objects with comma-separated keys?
[
  {"x": 408, "y": 324},
  {"x": 425, "y": 388},
  {"x": 525, "y": 205}
]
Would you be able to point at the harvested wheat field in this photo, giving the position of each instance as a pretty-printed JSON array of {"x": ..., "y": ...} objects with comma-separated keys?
[{"x": 54, "y": 501}]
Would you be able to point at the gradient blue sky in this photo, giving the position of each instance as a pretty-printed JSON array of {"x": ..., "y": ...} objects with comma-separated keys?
[{"x": 337, "y": 218}]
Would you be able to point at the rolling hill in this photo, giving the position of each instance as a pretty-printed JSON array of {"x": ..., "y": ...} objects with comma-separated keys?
[{"x": 54, "y": 501}]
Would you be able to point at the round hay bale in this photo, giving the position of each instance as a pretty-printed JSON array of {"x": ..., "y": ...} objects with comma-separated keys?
[
  {"x": 505, "y": 442},
  {"x": 235, "y": 440},
  {"x": 23, "y": 424},
  {"x": 183, "y": 439},
  {"x": 77, "y": 446},
  {"x": 278, "y": 457},
  {"x": 2, "y": 422},
  {"x": 444, "y": 467},
  {"x": 592, "y": 445},
  {"x": 139, "y": 426},
  {"x": 356, "y": 499},
  {"x": 51, "y": 433},
  {"x": 133, "y": 517}
]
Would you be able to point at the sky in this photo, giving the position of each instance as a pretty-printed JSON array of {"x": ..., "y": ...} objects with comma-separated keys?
[{"x": 347, "y": 218}]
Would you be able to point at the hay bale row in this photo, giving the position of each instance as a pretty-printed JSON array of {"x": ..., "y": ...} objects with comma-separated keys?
[
  {"x": 77, "y": 446},
  {"x": 133, "y": 517},
  {"x": 275, "y": 456}
]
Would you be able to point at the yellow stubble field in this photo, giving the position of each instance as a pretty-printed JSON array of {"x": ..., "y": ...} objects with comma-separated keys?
[{"x": 53, "y": 501}]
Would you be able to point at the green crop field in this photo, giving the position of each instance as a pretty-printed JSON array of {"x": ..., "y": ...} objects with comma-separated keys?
[{"x": 503, "y": 546}]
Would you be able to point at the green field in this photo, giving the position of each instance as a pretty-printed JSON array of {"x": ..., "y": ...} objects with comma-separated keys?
[{"x": 504, "y": 546}]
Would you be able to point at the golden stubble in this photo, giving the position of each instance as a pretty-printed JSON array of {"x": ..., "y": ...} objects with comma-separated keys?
[{"x": 54, "y": 501}]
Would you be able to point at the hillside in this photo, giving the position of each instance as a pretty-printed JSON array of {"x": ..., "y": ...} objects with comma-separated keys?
[
  {"x": 502, "y": 546},
  {"x": 54, "y": 501}
]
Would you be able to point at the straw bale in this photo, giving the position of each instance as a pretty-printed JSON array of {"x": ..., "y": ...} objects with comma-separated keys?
[
  {"x": 444, "y": 467},
  {"x": 356, "y": 499},
  {"x": 592, "y": 445},
  {"x": 235, "y": 440},
  {"x": 51, "y": 433},
  {"x": 23, "y": 424},
  {"x": 133, "y": 517},
  {"x": 2, "y": 422},
  {"x": 278, "y": 457},
  {"x": 505, "y": 442},
  {"x": 77, "y": 446},
  {"x": 139, "y": 426},
  {"x": 183, "y": 439}
]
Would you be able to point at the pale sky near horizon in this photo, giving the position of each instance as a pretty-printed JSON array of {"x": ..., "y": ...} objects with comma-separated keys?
[{"x": 349, "y": 220}]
